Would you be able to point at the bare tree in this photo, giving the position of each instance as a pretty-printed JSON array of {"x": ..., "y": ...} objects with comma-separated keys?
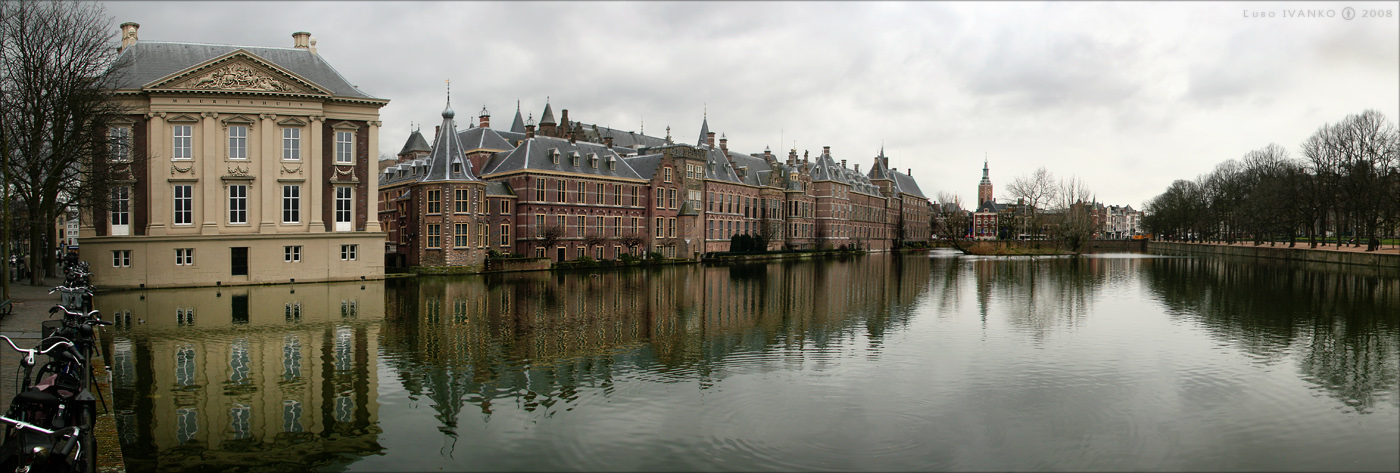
[
  {"x": 769, "y": 232},
  {"x": 548, "y": 236},
  {"x": 950, "y": 221},
  {"x": 1036, "y": 190},
  {"x": 594, "y": 239},
  {"x": 57, "y": 70},
  {"x": 1072, "y": 202},
  {"x": 632, "y": 241}
]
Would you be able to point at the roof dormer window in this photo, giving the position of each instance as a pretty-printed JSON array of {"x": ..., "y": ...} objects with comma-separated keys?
[
  {"x": 573, "y": 158},
  {"x": 593, "y": 160},
  {"x": 457, "y": 167},
  {"x": 554, "y": 155}
]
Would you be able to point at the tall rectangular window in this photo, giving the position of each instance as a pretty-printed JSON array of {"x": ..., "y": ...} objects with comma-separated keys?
[
  {"x": 461, "y": 232},
  {"x": 668, "y": 173},
  {"x": 238, "y": 204},
  {"x": 434, "y": 201},
  {"x": 481, "y": 235},
  {"x": 617, "y": 194},
  {"x": 563, "y": 191},
  {"x": 463, "y": 200},
  {"x": 600, "y": 194},
  {"x": 120, "y": 144},
  {"x": 344, "y": 203},
  {"x": 291, "y": 144},
  {"x": 121, "y": 211},
  {"x": 344, "y": 147},
  {"x": 184, "y": 205},
  {"x": 671, "y": 227},
  {"x": 636, "y": 191},
  {"x": 434, "y": 235},
  {"x": 505, "y": 234},
  {"x": 671, "y": 198},
  {"x": 182, "y": 142},
  {"x": 539, "y": 190},
  {"x": 237, "y": 142},
  {"x": 582, "y": 225},
  {"x": 291, "y": 204},
  {"x": 660, "y": 227}
]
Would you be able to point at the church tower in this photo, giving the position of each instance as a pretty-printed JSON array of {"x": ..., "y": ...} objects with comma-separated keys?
[{"x": 984, "y": 189}]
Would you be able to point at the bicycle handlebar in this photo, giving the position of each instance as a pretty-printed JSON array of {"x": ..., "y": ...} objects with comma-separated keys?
[
  {"x": 94, "y": 314},
  {"x": 29, "y": 352},
  {"x": 25, "y": 425}
]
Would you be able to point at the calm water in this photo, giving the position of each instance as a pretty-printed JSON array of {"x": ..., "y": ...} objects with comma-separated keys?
[{"x": 927, "y": 362}]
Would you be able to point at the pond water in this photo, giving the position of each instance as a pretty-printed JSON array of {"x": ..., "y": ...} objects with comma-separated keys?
[{"x": 881, "y": 362}]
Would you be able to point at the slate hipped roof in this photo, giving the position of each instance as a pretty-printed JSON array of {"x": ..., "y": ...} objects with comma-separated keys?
[
  {"x": 415, "y": 142},
  {"x": 153, "y": 60},
  {"x": 483, "y": 138},
  {"x": 537, "y": 154}
]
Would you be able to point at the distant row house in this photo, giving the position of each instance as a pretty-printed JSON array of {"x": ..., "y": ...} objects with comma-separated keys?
[{"x": 565, "y": 190}]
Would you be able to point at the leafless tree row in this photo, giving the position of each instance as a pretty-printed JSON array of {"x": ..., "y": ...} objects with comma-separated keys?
[
  {"x": 57, "y": 63},
  {"x": 1344, "y": 187}
]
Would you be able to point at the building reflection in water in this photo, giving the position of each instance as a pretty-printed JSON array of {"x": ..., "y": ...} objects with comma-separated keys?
[
  {"x": 534, "y": 340},
  {"x": 275, "y": 377}
]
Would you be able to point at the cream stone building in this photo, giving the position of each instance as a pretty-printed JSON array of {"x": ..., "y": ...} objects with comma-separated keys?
[{"x": 236, "y": 165}]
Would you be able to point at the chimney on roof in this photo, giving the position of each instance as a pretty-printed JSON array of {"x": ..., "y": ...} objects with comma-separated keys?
[
  {"x": 530, "y": 127},
  {"x": 436, "y": 130},
  {"x": 571, "y": 137},
  {"x": 485, "y": 117},
  {"x": 767, "y": 154},
  {"x": 313, "y": 50},
  {"x": 792, "y": 156},
  {"x": 710, "y": 139},
  {"x": 128, "y": 35},
  {"x": 857, "y": 167},
  {"x": 564, "y": 119},
  {"x": 723, "y": 144},
  {"x": 607, "y": 141},
  {"x": 843, "y": 164},
  {"x": 301, "y": 40},
  {"x": 826, "y": 150}
]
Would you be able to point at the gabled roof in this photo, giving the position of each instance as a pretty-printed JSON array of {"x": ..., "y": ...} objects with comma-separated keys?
[
  {"x": 907, "y": 184},
  {"x": 645, "y": 165},
  {"x": 537, "y": 153},
  {"x": 717, "y": 167},
  {"x": 153, "y": 60},
  {"x": 415, "y": 142},
  {"x": 991, "y": 206},
  {"x": 757, "y": 169},
  {"x": 881, "y": 169},
  {"x": 483, "y": 139},
  {"x": 628, "y": 139}
]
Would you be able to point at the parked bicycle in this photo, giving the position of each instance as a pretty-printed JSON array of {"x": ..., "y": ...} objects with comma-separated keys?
[{"x": 48, "y": 427}]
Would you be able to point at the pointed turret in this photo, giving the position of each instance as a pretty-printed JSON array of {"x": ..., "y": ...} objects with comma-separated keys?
[
  {"x": 704, "y": 132},
  {"x": 447, "y": 161},
  {"x": 518, "y": 126}
]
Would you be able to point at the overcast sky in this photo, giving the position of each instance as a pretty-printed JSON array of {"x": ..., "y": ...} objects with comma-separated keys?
[{"x": 1127, "y": 96}]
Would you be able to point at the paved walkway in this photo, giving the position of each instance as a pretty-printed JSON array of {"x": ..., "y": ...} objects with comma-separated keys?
[
  {"x": 1385, "y": 249},
  {"x": 23, "y": 325}
]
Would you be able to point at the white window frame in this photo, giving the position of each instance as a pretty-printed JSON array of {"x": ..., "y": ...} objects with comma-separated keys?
[
  {"x": 238, "y": 204},
  {"x": 291, "y": 254},
  {"x": 349, "y": 252},
  {"x": 345, "y": 147},
  {"x": 119, "y": 216},
  {"x": 291, "y": 203},
  {"x": 238, "y": 142},
  {"x": 344, "y": 209},
  {"x": 120, "y": 143},
  {"x": 181, "y": 142},
  {"x": 121, "y": 258},
  {"x": 183, "y": 205},
  {"x": 291, "y": 144},
  {"x": 184, "y": 257}
]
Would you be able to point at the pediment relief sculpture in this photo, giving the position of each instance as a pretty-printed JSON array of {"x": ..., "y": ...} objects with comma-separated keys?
[
  {"x": 236, "y": 77},
  {"x": 238, "y": 71}
]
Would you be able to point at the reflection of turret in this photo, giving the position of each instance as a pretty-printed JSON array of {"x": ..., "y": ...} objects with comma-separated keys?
[
  {"x": 219, "y": 377},
  {"x": 535, "y": 339}
]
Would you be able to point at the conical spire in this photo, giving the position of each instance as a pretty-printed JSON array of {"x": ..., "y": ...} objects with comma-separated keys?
[
  {"x": 547, "y": 118},
  {"x": 704, "y": 131},
  {"x": 447, "y": 150},
  {"x": 518, "y": 126}
]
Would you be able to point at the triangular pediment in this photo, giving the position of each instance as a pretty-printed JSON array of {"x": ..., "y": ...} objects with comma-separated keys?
[{"x": 239, "y": 72}]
